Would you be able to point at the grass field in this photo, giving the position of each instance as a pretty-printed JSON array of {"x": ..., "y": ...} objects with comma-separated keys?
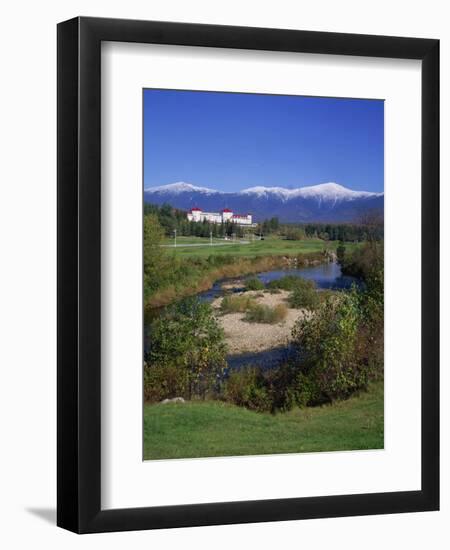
[
  {"x": 212, "y": 428},
  {"x": 268, "y": 247},
  {"x": 192, "y": 240}
]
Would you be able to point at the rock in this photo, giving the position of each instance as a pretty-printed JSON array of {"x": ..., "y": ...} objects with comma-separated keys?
[{"x": 173, "y": 400}]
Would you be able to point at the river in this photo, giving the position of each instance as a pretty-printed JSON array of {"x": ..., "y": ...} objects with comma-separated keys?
[{"x": 326, "y": 276}]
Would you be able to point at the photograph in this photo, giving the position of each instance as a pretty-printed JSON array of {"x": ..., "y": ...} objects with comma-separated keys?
[
  {"x": 223, "y": 349},
  {"x": 263, "y": 283}
]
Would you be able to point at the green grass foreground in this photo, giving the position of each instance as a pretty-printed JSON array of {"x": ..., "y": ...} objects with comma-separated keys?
[{"x": 211, "y": 428}]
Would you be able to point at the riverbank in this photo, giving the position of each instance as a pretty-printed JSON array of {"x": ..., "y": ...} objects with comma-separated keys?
[
  {"x": 244, "y": 337},
  {"x": 211, "y": 428},
  {"x": 199, "y": 274}
]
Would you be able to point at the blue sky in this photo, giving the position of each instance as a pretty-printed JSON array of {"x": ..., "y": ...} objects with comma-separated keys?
[{"x": 230, "y": 141}]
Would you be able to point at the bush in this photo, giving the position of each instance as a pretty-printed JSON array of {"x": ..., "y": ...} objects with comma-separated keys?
[
  {"x": 373, "y": 295},
  {"x": 187, "y": 352},
  {"x": 363, "y": 260},
  {"x": 161, "y": 382},
  {"x": 371, "y": 330},
  {"x": 326, "y": 343},
  {"x": 248, "y": 388},
  {"x": 288, "y": 282},
  {"x": 155, "y": 259},
  {"x": 369, "y": 348},
  {"x": 254, "y": 284},
  {"x": 277, "y": 389},
  {"x": 340, "y": 252},
  {"x": 236, "y": 304},
  {"x": 260, "y": 313},
  {"x": 304, "y": 295},
  {"x": 290, "y": 387},
  {"x": 295, "y": 234}
]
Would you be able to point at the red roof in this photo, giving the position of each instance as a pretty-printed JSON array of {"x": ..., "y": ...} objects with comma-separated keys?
[
  {"x": 195, "y": 209},
  {"x": 227, "y": 210}
]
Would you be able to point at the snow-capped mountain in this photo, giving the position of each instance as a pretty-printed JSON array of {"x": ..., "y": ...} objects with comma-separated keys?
[
  {"x": 328, "y": 202},
  {"x": 180, "y": 187},
  {"x": 322, "y": 191}
]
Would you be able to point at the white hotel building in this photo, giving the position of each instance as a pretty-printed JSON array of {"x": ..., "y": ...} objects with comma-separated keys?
[{"x": 227, "y": 215}]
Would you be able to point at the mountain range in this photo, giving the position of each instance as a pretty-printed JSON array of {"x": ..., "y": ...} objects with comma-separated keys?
[{"x": 325, "y": 202}]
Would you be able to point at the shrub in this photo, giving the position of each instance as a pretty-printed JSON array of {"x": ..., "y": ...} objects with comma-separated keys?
[
  {"x": 340, "y": 348},
  {"x": 373, "y": 294},
  {"x": 277, "y": 389},
  {"x": 289, "y": 282},
  {"x": 236, "y": 303},
  {"x": 371, "y": 330},
  {"x": 247, "y": 387},
  {"x": 187, "y": 351},
  {"x": 326, "y": 342},
  {"x": 154, "y": 257},
  {"x": 304, "y": 295},
  {"x": 295, "y": 234},
  {"x": 340, "y": 252},
  {"x": 254, "y": 284},
  {"x": 363, "y": 260},
  {"x": 161, "y": 382},
  {"x": 260, "y": 313},
  {"x": 290, "y": 387}
]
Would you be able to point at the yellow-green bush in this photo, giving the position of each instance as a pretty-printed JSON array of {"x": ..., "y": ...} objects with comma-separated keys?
[
  {"x": 265, "y": 314},
  {"x": 238, "y": 303},
  {"x": 187, "y": 352},
  {"x": 304, "y": 295},
  {"x": 248, "y": 388},
  {"x": 254, "y": 284}
]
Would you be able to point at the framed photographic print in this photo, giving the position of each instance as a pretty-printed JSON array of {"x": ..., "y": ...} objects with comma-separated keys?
[{"x": 248, "y": 259}]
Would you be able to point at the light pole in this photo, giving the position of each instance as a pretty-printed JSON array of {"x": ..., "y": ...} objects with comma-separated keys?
[
  {"x": 175, "y": 237},
  {"x": 210, "y": 238}
]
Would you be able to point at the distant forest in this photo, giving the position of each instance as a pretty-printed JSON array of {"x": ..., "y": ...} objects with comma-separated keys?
[{"x": 172, "y": 219}]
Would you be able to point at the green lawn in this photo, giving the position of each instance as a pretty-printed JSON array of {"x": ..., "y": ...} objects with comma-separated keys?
[
  {"x": 268, "y": 247},
  {"x": 191, "y": 240},
  {"x": 212, "y": 428}
]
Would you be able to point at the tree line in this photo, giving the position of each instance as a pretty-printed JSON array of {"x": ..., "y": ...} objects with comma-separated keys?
[
  {"x": 368, "y": 227},
  {"x": 172, "y": 219},
  {"x": 345, "y": 232}
]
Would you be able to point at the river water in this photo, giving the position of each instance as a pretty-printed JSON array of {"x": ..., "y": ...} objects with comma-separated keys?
[{"x": 326, "y": 276}]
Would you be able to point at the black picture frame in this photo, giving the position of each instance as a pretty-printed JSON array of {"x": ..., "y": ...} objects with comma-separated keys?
[{"x": 79, "y": 280}]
